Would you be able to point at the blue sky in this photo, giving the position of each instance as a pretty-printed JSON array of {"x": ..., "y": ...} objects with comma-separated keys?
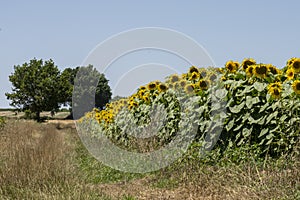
[{"x": 67, "y": 31}]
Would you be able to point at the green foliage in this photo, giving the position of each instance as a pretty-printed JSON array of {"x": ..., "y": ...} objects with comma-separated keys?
[
  {"x": 91, "y": 90},
  {"x": 40, "y": 86},
  {"x": 254, "y": 107},
  {"x": 257, "y": 119},
  {"x": 35, "y": 87}
]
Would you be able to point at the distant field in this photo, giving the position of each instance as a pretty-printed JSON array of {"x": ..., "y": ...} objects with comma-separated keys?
[{"x": 13, "y": 114}]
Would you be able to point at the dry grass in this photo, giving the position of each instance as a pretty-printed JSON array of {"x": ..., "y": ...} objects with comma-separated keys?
[
  {"x": 37, "y": 163},
  {"x": 40, "y": 161}
]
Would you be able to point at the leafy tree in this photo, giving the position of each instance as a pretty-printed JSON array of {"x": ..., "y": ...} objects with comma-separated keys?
[
  {"x": 91, "y": 90},
  {"x": 35, "y": 87},
  {"x": 66, "y": 84}
]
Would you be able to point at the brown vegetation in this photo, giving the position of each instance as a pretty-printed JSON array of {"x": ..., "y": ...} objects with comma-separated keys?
[{"x": 40, "y": 161}]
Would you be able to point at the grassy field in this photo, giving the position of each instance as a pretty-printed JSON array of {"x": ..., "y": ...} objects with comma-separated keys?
[{"x": 48, "y": 161}]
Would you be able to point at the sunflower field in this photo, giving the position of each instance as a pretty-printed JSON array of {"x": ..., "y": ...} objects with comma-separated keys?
[{"x": 240, "y": 104}]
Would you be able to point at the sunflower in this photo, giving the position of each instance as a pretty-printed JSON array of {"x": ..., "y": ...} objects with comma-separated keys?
[
  {"x": 193, "y": 69},
  {"x": 275, "y": 89},
  {"x": 170, "y": 85},
  {"x": 296, "y": 86},
  {"x": 250, "y": 70},
  {"x": 223, "y": 78},
  {"x": 212, "y": 77},
  {"x": 296, "y": 65},
  {"x": 189, "y": 88},
  {"x": 290, "y": 74},
  {"x": 162, "y": 87},
  {"x": 275, "y": 85},
  {"x": 194, "y": 76},
  {"x": 247, "y": 62},
  {"x": 275, "y": 92},
  {"x": 146, "y": 98},
  {"x": 273, "y": 69},
  {"x": 290, "y": 61},
  {"x": 182, "y": 83},
  {"x": 174, "y": 78},
  {"x": 203, "y": 73},
  {"x": 176, "y": 86},
  {"x": 232, "y": 66},
  {"x": 184, "y": 76},
  {"x": 142, "y": 88},
  {"x": 260, "y": 70},
  {"x": 141, "y": 93},
  {"x": 203, "y": 84},
  {"x": 151, "y": 86}
]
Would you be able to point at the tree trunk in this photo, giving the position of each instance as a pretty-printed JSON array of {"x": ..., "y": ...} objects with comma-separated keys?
[{"x": 38, "y": 116}]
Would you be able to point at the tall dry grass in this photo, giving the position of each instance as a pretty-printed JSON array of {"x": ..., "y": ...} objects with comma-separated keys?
[{"x": 36, "y": 162}]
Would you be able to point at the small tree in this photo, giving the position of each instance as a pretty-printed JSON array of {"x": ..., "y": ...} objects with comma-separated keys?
[{"x": 36, "y": 87}]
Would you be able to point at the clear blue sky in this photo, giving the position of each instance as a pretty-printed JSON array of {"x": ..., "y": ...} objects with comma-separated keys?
[{"x": 67, "y": 31}]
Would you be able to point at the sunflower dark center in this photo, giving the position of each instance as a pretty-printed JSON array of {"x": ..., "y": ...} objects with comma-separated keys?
[
  {"x": 175, "y": 79},
  {"x": 296, "y": 65},
  {"x": 261, "y": 70},
  {"x": 203, "y": 84},
  {"x": 276, "y": 92}
]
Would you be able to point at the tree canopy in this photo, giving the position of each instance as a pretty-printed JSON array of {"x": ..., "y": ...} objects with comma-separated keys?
[
  {"x": 35, "y": 86},
  {"x": 40, "y": 86},
  {"x": 91, "y": 90}
]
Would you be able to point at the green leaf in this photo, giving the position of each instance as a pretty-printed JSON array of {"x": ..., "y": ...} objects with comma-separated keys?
[
  {"x": 237, "y": 108},
  {"x": 271, "y": 116},
  {"x": 238, "y": 127},
  {"x": 270, "y": 136},
  {"x": 263, "y": 132},
  {"x": 221, "y": 93},
  {"x": 259, "y": 86},
  {"x": 230, "y": 125},
  {"x": 246, "y": 132}
]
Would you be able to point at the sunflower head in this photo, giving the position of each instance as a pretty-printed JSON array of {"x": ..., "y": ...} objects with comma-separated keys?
[
  {"x": 162, "y": 87},
  {"x": 184, "y": 76},
  {"x": 194, "y": 76},
  {"x": 290, "y": 74},
  {"x": 273, "y": 69},
  {"x": 189, "y": 88},
  {"x": 247, "y": 62},
  {"x": 203, "y": 73},
  {"x": 250, "y": 70},
  {"x": 193, "y": 69},
  {"x": 151, "y": 86},
  {"x": 142, "y": 88},
  {"x": 275, "y": 89},
  {"x": 203, "y": 84},
  {"x": 296, "y": 86},
  {"x": 232, "y": 66},
  {"x": 170, "y": 85},
  {"x": 174, "y": 78},
  {"x": 146, "y": 98},
  {"x": 212, "y": 77},
  {"x": 296, "y": 65},
  {"x": 182, "y": 83},
  {"x": 275, "y": 92},
  {"x": 290, "y": 61},
  {"x": 261, "y": 70},
  {"x": 275, "y": 85}
]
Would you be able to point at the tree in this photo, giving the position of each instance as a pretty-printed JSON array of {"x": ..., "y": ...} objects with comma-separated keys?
[
  {"x": 91, "y": 90},
  {"x": 66, "y": 84},
  {"x": 35, "y": 87}
]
